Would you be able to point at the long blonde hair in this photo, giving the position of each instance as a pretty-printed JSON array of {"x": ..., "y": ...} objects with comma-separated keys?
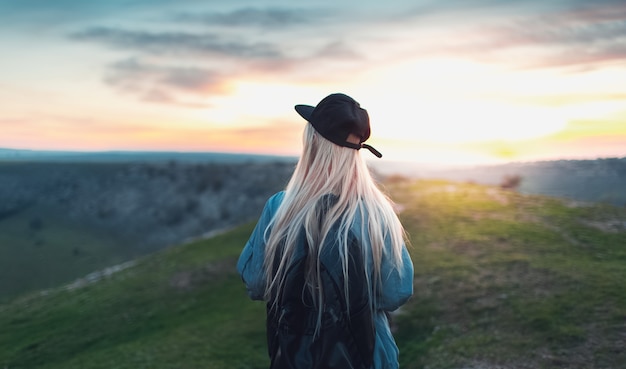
[{"x": 326, "y": 168}]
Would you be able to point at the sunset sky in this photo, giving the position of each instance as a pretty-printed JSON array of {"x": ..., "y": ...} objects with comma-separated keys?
[{"x": 444, "y": 81}]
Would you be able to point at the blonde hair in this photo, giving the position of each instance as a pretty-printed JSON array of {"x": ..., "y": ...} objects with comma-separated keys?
[{"x": 326, "y": 168}]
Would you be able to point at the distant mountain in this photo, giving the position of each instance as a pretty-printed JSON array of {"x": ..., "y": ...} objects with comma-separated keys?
[
  {"x": 600, "y": 180},
  {"x": 59, "y": 220},
  {"x": 134, "y": 156}
]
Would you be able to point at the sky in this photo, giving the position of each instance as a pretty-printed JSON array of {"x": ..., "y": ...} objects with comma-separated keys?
[{"x": 457, "y": 82}]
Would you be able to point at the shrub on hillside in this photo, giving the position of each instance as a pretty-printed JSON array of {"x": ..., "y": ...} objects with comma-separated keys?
[{"x": 511, "y": 182}]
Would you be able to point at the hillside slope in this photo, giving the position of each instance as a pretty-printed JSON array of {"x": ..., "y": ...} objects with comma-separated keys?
[
  {"x": 501, "y": 281},
  {"x": 599, "y": 180},
  {"x": 59, "y": 221}
]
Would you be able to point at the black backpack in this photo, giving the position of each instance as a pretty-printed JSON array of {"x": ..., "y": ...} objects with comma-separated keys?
[{"x": 345, "y": 339}]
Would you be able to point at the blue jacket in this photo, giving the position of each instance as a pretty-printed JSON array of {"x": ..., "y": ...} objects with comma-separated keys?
[{"x": 397, "y": 285}]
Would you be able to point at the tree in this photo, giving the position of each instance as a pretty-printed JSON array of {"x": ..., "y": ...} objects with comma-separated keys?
[{"x": 511, "y": 182}]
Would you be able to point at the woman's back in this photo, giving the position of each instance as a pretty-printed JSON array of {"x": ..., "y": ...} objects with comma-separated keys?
[{"x": 331, "y": 224}]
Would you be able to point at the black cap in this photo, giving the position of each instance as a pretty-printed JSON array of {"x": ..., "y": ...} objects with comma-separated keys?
[{"x": 336, "y": 117}]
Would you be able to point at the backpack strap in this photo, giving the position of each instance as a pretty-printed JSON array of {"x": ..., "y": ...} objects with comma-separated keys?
[
  {"x": 356, "y": 311},
  {"x": 345, "y": 339}
]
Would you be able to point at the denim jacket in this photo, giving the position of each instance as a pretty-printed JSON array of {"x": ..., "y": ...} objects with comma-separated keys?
[{"x": 397, "y": 284}]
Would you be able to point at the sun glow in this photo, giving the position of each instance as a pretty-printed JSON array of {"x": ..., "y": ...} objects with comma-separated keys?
[
  {"x": 255, "y": 102},
  {"x": 449, "y": 101},
  {"x": 466, "y": 121}
]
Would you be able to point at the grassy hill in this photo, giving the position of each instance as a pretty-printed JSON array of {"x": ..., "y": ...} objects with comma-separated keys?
[
  {"x": 501, "y": 281},
  {"x": 62, "y": 220},
  {"x": 40, "y": 249}
]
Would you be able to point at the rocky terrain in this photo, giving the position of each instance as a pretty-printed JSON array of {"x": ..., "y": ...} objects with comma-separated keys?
[
  {"x": 152, "y": 204},
  {"x": 600, "y": 180}
]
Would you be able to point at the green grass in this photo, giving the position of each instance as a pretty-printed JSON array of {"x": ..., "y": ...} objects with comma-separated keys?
[
  {"x": 183, "y": 307},
  {"x": 501, "y": 280},
  {"x": 39, "y": 249},
  {"x": 504, "y": 280}
]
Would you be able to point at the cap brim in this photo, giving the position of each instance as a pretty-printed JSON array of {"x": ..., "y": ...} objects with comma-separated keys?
[{"x": 305, "y": 111}]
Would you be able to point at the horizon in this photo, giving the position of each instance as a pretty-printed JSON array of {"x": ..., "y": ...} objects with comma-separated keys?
[
  {"x": 374, "y": 161},
  {"x": 462, "y": 83}
]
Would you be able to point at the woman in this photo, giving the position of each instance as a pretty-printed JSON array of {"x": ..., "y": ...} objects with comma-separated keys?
[{"x": 327, "y": 246}]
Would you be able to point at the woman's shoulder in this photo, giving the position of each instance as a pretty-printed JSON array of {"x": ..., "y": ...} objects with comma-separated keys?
[
  {"x": 277, "y": 197},
  {"x": 275, "y": 200}
]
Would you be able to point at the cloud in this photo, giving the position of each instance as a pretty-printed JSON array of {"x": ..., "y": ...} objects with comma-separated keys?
[
  {"x": 503, "y": 8},
  {"x": 572, "y": 38},
  {"x": 572, "y": 27},
  {"x": 165, "y": 83},
  {"x": 575, "y": 36},
  {"x": 177, "y": 43},
  {"x": 338, "y": 50},
  {"x": 155, "y": 67},
  {"x": 254, "y": 17},
  {"x": 318, "y": 45}
]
